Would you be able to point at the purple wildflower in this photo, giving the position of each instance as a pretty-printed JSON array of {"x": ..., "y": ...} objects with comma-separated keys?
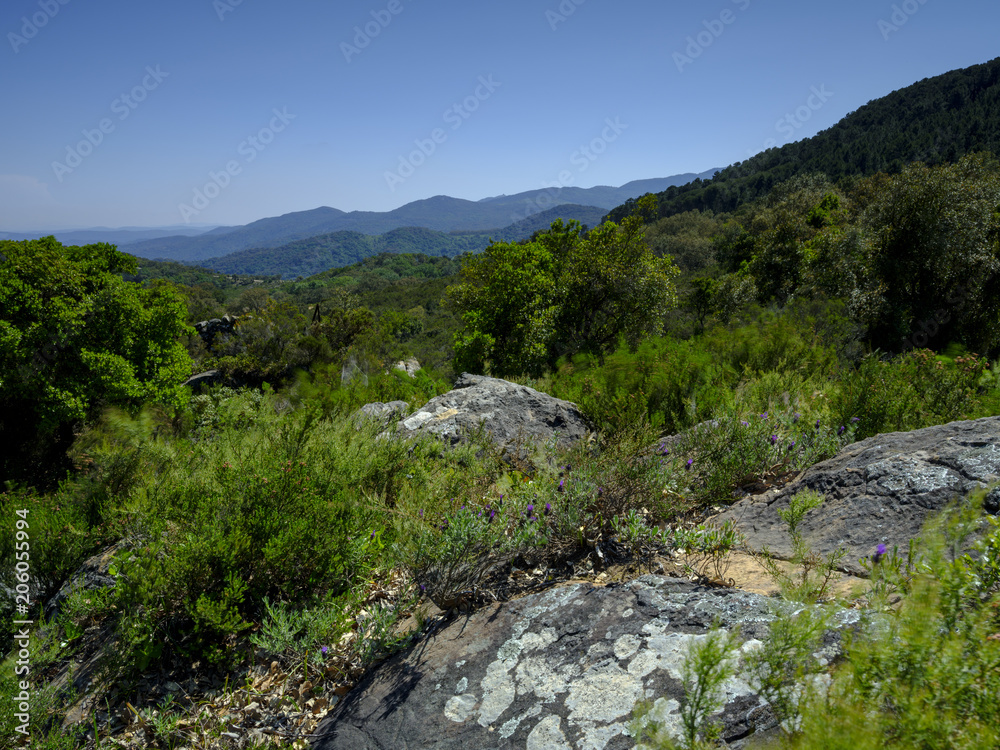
[
  {"x": 561, "y": 484},
  {"x": 530, "y": 509},
  {"x": 795, "y": 417},
  {"x": 764, "y": 415},
  {"x": 791, "y": 445},
  {"x": 689, "y": 464},
  {"x": 840, "y": 430},
  {"x": 548, "y": 508},
  {"x": 817, "y": 424},
  {"x": 774, "y": 439},
  {"x": 879, "y": 551},
  {"x": 323, "y": 650},
  {"x": 744, "y": 423},
  {"x": 855, "y": 419}
]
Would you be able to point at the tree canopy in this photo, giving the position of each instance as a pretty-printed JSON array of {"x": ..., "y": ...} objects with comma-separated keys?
[
  {"x": 75, "y": 336},
  {"x": 525, "y": 304}
]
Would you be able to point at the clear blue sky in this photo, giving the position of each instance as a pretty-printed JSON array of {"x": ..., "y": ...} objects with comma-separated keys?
[{"x": 182, "y": 87}]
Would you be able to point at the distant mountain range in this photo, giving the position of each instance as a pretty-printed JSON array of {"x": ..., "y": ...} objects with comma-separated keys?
[
  {"x": 441, "y": 213},
  {"x": 324, "y": 251},
  {"x": 121, "y": 237},
  {"x": 935, "y": 120}
]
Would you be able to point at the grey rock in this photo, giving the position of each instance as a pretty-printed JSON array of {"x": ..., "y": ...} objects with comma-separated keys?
[
  {"x": 409, "y": 366},
  {"x": 209, "y": 377},
  {"x": 209, "y": 329},
  {"x": 879, "y": 491},
  {"x": 384, "y": 413},
  {"x": 94, "y": 573},
  {"x": 563, "y": 668},
  {"x": 509, "y": 412}
]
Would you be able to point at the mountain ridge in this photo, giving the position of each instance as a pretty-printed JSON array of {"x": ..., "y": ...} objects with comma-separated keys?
[
  {"x": 441, "y": 213},
  {"x": 934, "y": 120}
]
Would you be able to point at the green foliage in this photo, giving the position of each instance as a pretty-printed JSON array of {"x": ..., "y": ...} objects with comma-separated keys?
[
  {"x": 911, "y": 391},
  {"x": 287, "y": 511},
  {"x": 687, "y": 238},
  {"x": 676, "y": 384},
  {"x": 931, "y": 257},
  {"x": 927, "y": 675},
  {"x": 709, "y": 663},
  {"x": 322, "y": 252},
  {"x": 523, "y": 305},
  {"x": 75, "y": 337}
]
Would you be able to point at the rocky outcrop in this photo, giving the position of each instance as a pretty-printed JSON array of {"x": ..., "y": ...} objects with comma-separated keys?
[
  {"x": 209, "y": 329},
  {"x": 879, "y": 491},
  {"x": 509, "y": 412},
  {"x": 561, "y": 669}
]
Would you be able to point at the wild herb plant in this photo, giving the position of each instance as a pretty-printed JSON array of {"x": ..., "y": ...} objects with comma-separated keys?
[
  {"x": 811, "y": 573},
  {"x": 711, "y": 660}
]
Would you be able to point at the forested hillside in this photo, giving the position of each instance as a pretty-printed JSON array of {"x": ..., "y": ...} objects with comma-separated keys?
[
  {"x": 318, "y": 253},
  {"x": 936, "y": 120}
]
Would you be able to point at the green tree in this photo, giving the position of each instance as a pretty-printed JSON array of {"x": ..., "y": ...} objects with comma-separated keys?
[
  {"x": 930, "y": 257},
  {"x": 74, "y": 337},
  {"x": 524, "y": 305}
]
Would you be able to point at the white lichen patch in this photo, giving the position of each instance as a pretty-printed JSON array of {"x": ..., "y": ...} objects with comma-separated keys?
[
  {"x": 498, "y": 692},
  {"x": 604, "y": 694},
  {"x": 460, "y": 707},
  {"x": 626, "y": 646},
  {"x": 547, "y": 735},
  {"x": 462, "y": 686},
  {"x": 539, "y": 676},
  {"x": 643, "y": 663},
  {"x": 597, "y": 738},
  {"x": 509, "y": 727}
]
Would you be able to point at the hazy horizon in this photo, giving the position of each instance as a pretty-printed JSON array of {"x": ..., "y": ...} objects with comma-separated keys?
[{"x": 221, "y": 112}]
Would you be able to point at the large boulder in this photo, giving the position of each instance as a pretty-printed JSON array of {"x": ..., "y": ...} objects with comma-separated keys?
[
  {"x": 509, "y": 412},
  {"x": 878, "y": 491},
  {"x": 560, "y": 669}
]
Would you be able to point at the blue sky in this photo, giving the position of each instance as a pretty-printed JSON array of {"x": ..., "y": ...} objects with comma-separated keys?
[{"x": 123, "y": 113}]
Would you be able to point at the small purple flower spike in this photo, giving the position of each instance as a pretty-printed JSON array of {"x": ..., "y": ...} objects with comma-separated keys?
[
  {"x": 879, "y": 551},
  {"x": 548, "y": 508}
]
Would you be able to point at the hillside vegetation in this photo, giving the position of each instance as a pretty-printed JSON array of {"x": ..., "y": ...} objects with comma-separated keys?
[
  {"x": 934, "y": 121},
  {"x": 261, "y": 519}
]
